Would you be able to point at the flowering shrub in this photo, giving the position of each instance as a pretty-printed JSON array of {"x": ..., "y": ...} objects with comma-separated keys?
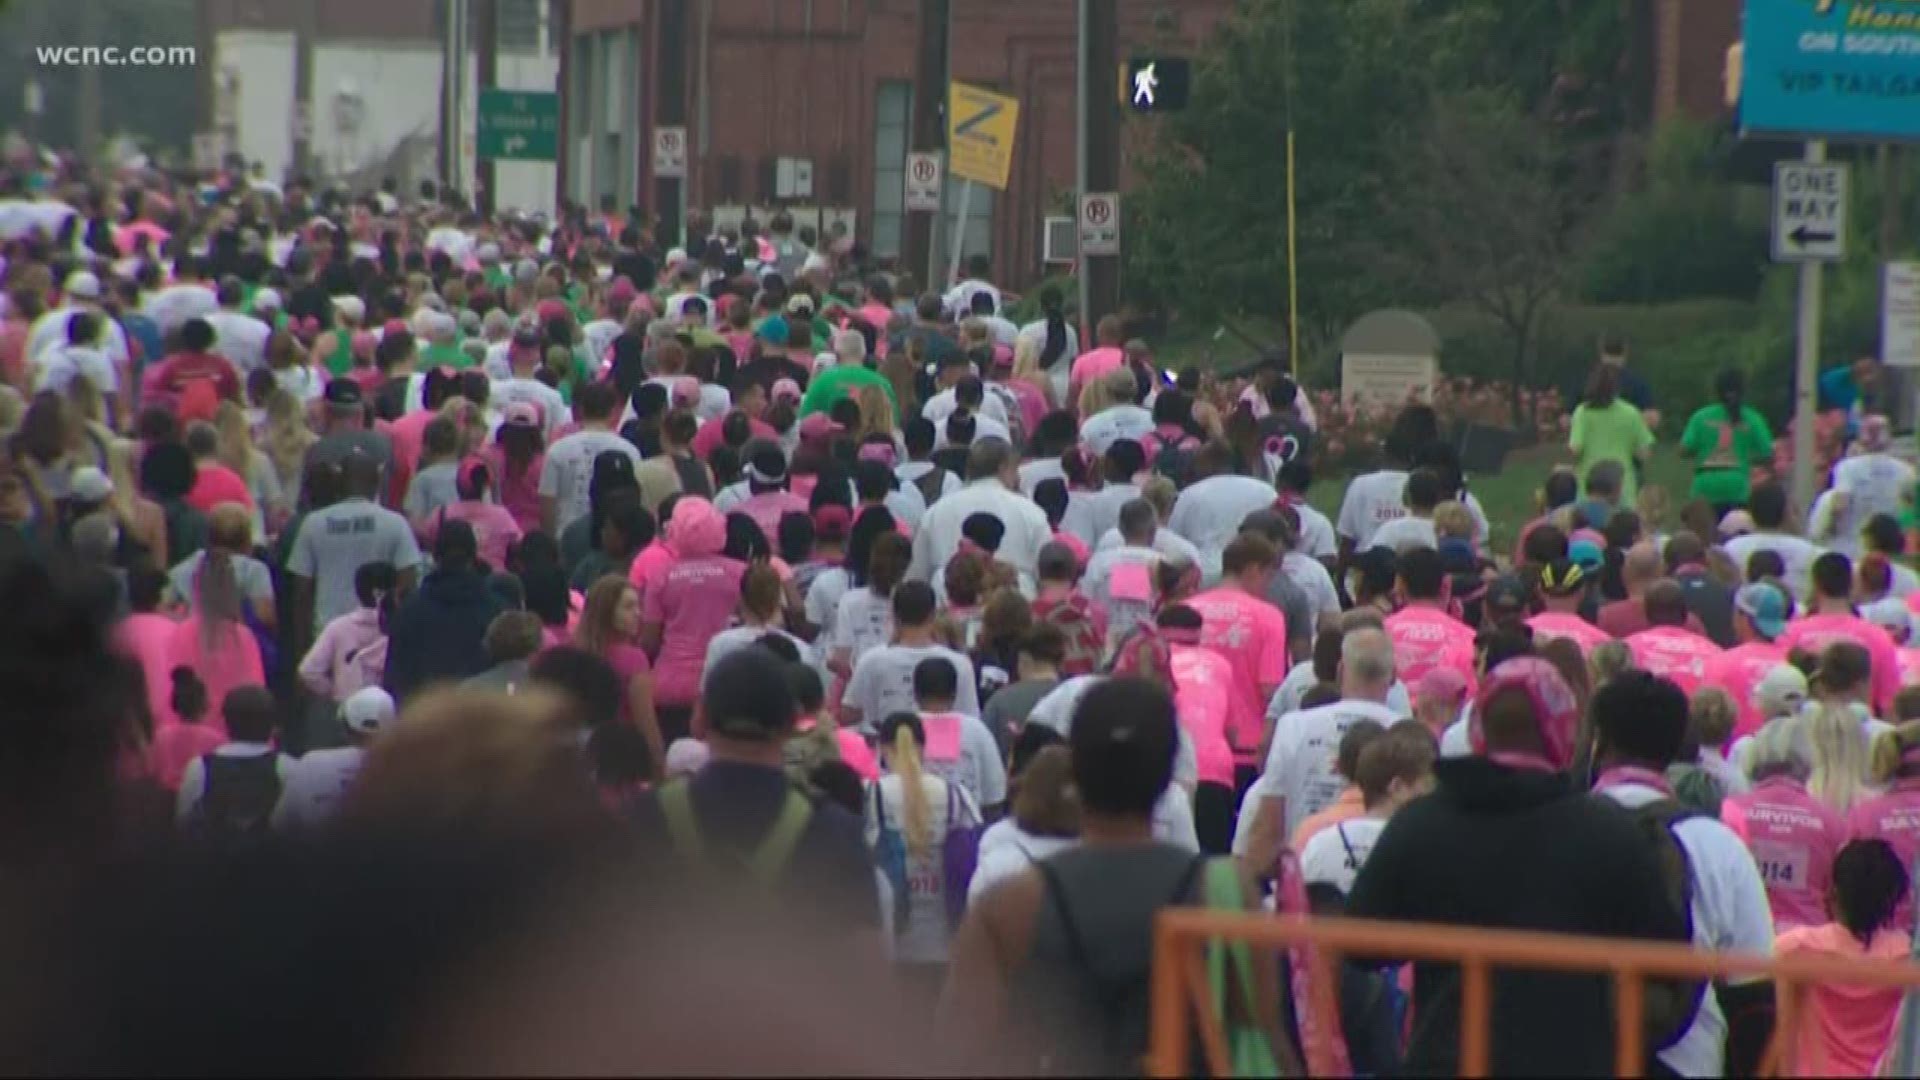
[
  {"x": 1829, "y": 443},
  {"x": 1352, "y": 434}
]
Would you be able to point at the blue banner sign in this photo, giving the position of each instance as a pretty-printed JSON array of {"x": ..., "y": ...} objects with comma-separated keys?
[{"x": 1846, "y": 69}]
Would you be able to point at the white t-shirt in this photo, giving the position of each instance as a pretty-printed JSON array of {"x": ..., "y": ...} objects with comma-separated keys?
[
  {"x": 1873, "y": 484},
  {"x": 49, "y": 332},
  {"x": 241, "y": 338},
  {"x": 959, "y": 299},
  {"x": 1796, "y": 552},
  {"x": 250, "y": 575},
  {"x": 1335, "y": 854},
  {"x": 978, "y": 768},
  {"x": 172, "y": 307},
  {"x": 862, "y": 622},
  {"x": 714, "y": 402},
  {"x": 554, "y": 413},
  {"x": 984, "y": 427},
  {"x": 910, "y": 471},
  {"x": 924, "y": 937},
  {"x": 823, "y": 600},
  {"x": 1209, "y": 514},
  {"x": 1371, "y": 501},
  {"x": 1300, "y": 679},
  {"x": 1730, "y": 914},
  {"x": 1091, "y": 513},
  {"x": 1316, "y": 533},
  {"x": 1006, "y": 851},
  {"x": 1108, "y": 426},
  {"x": 945, "y": 403},
  {"x": 1300, "y": 762},
  {"x": 1173, "y": 814},
  {"x": 1405, "y": 532},
  {"x": 1168, "y": 543},
  {"x": 599, "y": 335},
  {"x": 315, "y": 785},
  {"x": 736, "y": 638},
  {"x": 57, "y": 368},
  {"x": 569, "y": 471},
  {"x": 882, "y": 682},
  {"x": 938, "y": 537},
  {"x": 1037, "y": 470}
]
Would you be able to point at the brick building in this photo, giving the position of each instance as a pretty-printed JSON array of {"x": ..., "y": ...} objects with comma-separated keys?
[
  {"x": 831, "y": 82},
  {"x": 1691, "y": 38}
]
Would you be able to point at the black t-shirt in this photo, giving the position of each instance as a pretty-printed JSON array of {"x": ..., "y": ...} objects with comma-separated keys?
[
  {"x": 830, "y": 878},
  {"x": 390, "y": 401}
]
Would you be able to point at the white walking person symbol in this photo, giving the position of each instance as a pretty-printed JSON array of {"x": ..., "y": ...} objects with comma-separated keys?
[{"x": 1144, "y": 84}]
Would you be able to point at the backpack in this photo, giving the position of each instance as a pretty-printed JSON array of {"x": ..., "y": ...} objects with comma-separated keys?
[
  {"x": 1074, "y": 617},
  {"x": 1174, "y": 460},
  {"x": 1671, "y": 1003},
  {"x": 931, "y": 483},
  {"x": 764, "y": 864},
  {"x": 237, "y": 804}
]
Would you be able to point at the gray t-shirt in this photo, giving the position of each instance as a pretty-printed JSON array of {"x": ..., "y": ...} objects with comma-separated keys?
[
  {"x": 1009, "y": 706},
  {"x": 252, "y": 575},
  {"x": 433, "y": 487},
  {"x": 336, "y": 542}
]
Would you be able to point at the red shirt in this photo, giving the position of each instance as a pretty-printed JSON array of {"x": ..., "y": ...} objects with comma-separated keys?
[
  {"x": 708, "y": 437},
  {"x": 216, "y": 484},
  {"x": 165, "y": 382},
  {"x": 1625, "y": 618}
]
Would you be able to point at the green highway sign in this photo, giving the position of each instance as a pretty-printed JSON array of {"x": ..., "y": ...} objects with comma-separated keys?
[{"x": 518, "y": 125}]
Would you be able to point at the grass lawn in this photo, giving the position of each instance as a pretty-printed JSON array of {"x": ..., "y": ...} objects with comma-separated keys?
[{"x": 1510, "y": 498}]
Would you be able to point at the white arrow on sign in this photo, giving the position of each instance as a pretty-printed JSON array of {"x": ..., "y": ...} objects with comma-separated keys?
[{"x": 514, "y": 144}]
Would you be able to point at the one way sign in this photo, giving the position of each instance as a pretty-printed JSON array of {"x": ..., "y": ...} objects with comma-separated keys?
[{"x": 1809, "y": 212}]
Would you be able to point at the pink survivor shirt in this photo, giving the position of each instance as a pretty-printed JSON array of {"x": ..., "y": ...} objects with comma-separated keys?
[
  {"x": 1815, "y": 632},
  {"x": 1895, "y": 818},
  {"x": 1425, "y": 639},
  {"x": 1553, "y": 624},
  {"x": 1251, "y": 635},
  {"x": 1202, "y": 698},
  {"x": 1673, "y": 653},
  {"x": 1737, "y": 671},
  {"x": 694, "y": 600},
  {"x": 1793, "y": 837}
]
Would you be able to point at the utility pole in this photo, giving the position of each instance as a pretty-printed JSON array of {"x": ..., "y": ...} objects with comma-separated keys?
[
  {"x": 1098, "y": 147},
  {"x": 561, "y": 34},
  {"x": 453, "y": 62},
  {"x": 306, "y": 28},
  {"x": 928, "y": 132},
  {"x": 486, "y": 76},
  {"x": 670, "y": 110}
]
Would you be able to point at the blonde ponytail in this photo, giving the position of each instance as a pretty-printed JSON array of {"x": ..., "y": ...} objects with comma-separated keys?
[
  {"x": 916, "y": 826},
  {"x": 1888, "y": 749},
  {"x": 1839, "y": 757}
]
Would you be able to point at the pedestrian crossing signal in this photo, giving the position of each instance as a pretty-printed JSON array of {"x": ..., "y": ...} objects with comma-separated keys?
[{"x": 1151, "y": 84}]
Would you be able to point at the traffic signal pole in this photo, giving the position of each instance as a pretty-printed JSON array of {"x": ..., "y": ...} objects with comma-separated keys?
[{"x": 1098, "y": 149}]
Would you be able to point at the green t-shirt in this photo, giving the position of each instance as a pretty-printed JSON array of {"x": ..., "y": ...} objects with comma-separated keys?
[
  {"x": 452, "y": 356},
  {"x": 1725, "y": 453},
  {"x": 1615, "y": 433},
  {"x": 842, "y": 380},
  {"x": 497, "y": 278}
]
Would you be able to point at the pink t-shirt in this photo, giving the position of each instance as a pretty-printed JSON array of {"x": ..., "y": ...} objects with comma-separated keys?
[
  {"x": 627, "y": 661},
  {"x": 649, "y": 566},
  {"x": 1815, "y": 632},
  {"x": 1033, "y": 403},
  {"x": 1673, "y": 653},
  {"x": 1737, "y": 671},
  {"x": 232, "y": 662},
  {"x": 857, "y": 754},
  {"x": 1251, "y": 635},
  {"x": 1091, "y": 365},
  {"x": 694, "y": 600},
  {"x": 877, "y": 316},
  {"x": 493, "y": 526},
  {"x": 1202, "y": 697},
  {"x": 708, "y": 438},
  {"x": 175, "y": 746},
  {"x": 521, "y": 495},
  {"x": 1843, "y": 1029},
  {"x": 215, "y": 484},
  {"x": 148, "y": 638},
  {"x": 1793, "y": 837},
  {"x": 409, "y": 434},
  {"x": 1425, "y": 639},
  {"x": 1553, "y": 624},
  {"x": 1910, "y": 665},
  {"x": 768, "y": 508},
  {"x": 1895, "y": 818}
]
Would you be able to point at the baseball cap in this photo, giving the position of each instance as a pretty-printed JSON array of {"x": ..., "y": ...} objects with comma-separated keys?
[
  {"x": 1764, "y": 604},
  {"x": 1002, "y": 356},
  {"x": 768, "y": 465},
  {"x": 367, "y": 710},
  {"x": 266, "y": 300},
  {"x": 526, "y": 271},
  {"x": 354, "y": 308},
  {"x": 488, "y": 253},
  {"x": 676, "y": 257},
  {"x": 1736, "y": 523},
  {"x": 831, "y": 522},
  {"x": 785, "y": 390},
  {"x": 90, "y": 485},
  {"x": 1891, "y": 615},
  {"x": 345, "y": 392},
  {"x": 83, "y": 284},
  {"x": 687, "y": 756},
  {"x": 1556, "y": 711},
  {"x": 520, "y": 414},
  {"x": 746, "y": 696},
  {"x": 1781, "y": 691},
  {"x": 1441, "y": 684},
  {"x": 800, "y": 304},
  {"x": 1505, "y": 594},
  {"x": 1563, "y": 577},
  {"x": 1588, "y": 555}
]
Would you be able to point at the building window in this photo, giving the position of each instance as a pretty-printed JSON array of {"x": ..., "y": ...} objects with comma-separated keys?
[{"x": 892, "y": 110}]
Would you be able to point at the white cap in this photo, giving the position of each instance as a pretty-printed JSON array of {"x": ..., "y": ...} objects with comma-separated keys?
[
  {"x": 675, "y": 257},
  {"x": 83, "y": 284},
  {"x": 367, "y": 710},
  {"x": 352, "y": 307},
  {"x": 686, "y": 757},
  {"x": 488, "y": 253},
  {"x": 89, "y": 485},
  {"x": 816, "y": 263},
  {"x": 1781, "y": 691},
  {"x": 266, "y": 300}
]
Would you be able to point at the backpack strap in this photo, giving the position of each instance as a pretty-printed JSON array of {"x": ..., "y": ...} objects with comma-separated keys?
[
  {"x": 676, "y": 806},
  {"x": 777, "y": 849},
  {"x": 1340, "y": 830}
]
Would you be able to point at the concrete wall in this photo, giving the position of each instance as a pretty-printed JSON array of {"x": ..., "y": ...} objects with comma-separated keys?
[{"x": 399, "y": 83}]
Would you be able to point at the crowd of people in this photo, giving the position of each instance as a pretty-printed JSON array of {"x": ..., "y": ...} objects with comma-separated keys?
[{"x": 353, "y": 540}]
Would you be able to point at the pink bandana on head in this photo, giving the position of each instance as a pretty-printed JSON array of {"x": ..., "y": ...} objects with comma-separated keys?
[
  {"x": 1555, "y": 710},
  {"x": 877, "y": 451}
]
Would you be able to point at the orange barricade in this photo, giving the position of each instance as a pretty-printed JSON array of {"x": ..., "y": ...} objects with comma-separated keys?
[{"x": 1181, "y": 992}]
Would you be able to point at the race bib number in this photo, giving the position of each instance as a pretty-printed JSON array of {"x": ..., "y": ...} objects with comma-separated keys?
[{"x": 1782, "y": 866}]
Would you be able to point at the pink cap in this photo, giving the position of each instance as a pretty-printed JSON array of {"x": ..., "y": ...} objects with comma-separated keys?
[
  {"x": 520, "y": 414},
  {"x": 1441, "y": 684},
  {"x": 641, "y": 305},
  {"x": 686, "y": 390},
  {"x": 819, "y": 426},
  {"x": 1555, "y": 710},
  {"x": 1002, "y": 356},
  {"x": 621, "y": 292},
  {"x": 550, "y": 310},
  {"x": 786, "y": 389}
]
